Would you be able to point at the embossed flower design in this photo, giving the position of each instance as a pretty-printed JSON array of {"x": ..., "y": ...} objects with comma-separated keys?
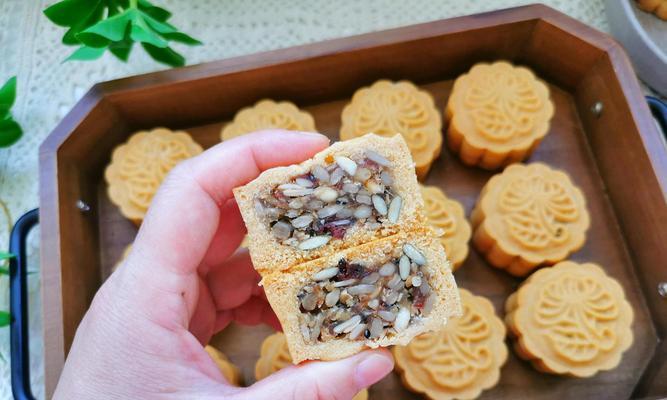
[
  {"x": 448, "y": 216},
  {"x": 268, "y": 114}
]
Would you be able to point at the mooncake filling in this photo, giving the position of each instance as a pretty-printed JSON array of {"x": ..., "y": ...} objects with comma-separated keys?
[
  {"x": 325, "y": 203},
  {"x": 359, "y": 301}
]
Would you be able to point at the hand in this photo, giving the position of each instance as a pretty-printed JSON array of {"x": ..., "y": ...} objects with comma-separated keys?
[{"x": 183, "y": 281}]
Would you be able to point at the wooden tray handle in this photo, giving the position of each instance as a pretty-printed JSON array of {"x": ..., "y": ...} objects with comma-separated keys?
[{"x": 18, "y": 306}]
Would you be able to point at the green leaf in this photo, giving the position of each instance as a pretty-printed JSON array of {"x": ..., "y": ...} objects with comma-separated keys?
[
  {"x": 70, "y": 12},
  {"x": 121, "y": 49},
  {"x": 158, "y": 26},
  {"x": 70, "y": 36},
  {"x": 182, "y": 38},
  {"x": 106, "y": 31},
  {"x": 156, "y": 12},
  {"x": 85, "y": 53},
  {"x": 4, "y": 255},
  {"x": 7, "y": 96},
  {"x": 10, "y": 132},
  {"x": 5, "y": 318},
  {"x": 139, "y": 34},
  {"x": 164, "y": 55},
  {"x": 4, "y": 271}
]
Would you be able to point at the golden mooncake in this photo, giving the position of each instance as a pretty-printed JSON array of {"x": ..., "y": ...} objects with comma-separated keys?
[
  {"x": 139, "y": 166},
  {"x": 275, "y": 356},
  {"x": 460, "y": 361},
  {"x": 387, "y": 108},
  {"x": 267, "y": 114},
  {"x": 448, "y": 216},
  {"x": 657, "y": 7},
  {"x": 229, "y": 370},
  {"x": 497, "y": 114},
  {"x": 570, "y": 319},
  {"x": 529, "y": 216}
]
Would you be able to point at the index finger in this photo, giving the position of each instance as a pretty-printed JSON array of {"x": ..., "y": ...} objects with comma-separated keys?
[{"x": 184, "y": 215}]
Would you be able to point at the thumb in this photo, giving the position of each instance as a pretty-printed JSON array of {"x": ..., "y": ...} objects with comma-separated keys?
[{"x": 325, "y": 380}]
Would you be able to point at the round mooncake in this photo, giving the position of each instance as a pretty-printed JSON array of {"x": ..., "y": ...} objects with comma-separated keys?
[
  {"x": 387, "y": 108},
  {"x": 229, "y": 370},
  {"x": 497, "y": 114},
  {"x": 529, "y": 216},
  {"x": 448, "y": 216},
  {"x": 267, "y": 114},
  {"x": 139, "y": 166},
  {"x": 570, "y": 319},
  {"x": 275, "y": 356},
  {"x": 460, "y": 361},
  {"x": 657, "y": 7}
]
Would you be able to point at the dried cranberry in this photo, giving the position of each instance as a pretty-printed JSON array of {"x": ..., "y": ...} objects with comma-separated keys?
[
  {"x": 418, "y": 299},
  {"x": 337, "y": 232}
]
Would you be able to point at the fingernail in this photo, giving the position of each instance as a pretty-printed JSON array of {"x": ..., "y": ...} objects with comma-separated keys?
[
  {"x": 310, "y": 134},
  {"x": 373, "y": 368}
]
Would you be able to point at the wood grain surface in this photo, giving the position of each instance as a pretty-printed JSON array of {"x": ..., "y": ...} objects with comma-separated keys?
[{"x": 613, "y": 157}]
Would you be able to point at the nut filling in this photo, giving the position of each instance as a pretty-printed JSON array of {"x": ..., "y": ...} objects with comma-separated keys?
[
  {"x": 329, "y": 200},
  {"x": 361, "y": 302}
]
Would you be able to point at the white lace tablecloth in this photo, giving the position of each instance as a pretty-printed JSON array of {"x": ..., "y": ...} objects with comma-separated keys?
[{"x": 47, "y": 88}]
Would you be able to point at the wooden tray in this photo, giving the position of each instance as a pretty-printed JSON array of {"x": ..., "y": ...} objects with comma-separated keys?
[{"x": 612, "y": 151}]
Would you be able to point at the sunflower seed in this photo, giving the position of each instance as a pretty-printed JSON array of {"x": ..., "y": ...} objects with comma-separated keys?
[
  {"x": 314, "y": 205},
  {"x": 377, "y": 158},
  {"x": 387, "y": 270},
  {"x": 391, "y": 298},
  {"x": 373, "y": 226},
  {"x": 362, "y": 212},
  {"x": 364, "y": 199},
  {"x": 305, "y": 332},
  {"x": 394, "y": 282},
  {"x": 404, "y": 267},
  {"x": 329, "y": 211},
  {"x": 344, "y": 213},
  {"x": 303, "y": 182},
  {"x": 374, "y": 304},
  {"x": 297, "y": 192},
  {"x": 414, "y": 254},
  {"x": 314, "y": 242},
  {"x": 379, "y": 204},
  {"x": 281, "y": 230},
  {"x": 325, "y": 274},
  {"x": 302, "y": 221},
  {"x": 296, "y": 204},
  {"x": 362, "y": 175},
  {"x": 402, "y": 319},
  {"x": 346, "y": 164},
  {"x": 290, "y": 186},
  {"x": 332, "y": 298},
  {"x": 315, "y": 332},
  {"x": 350, "y": 188},
  {"x": 387, "y": 315},
  {"x": 347, "y": 325},
  {"x": 357, "y": 330},
  {"x": 425, "y": 288},
  {"x": 326, "y": 194},
  {"x": 416, "y": 281},
  {"x": 371, "y": 279},
  {"x": 259, "y": 208},
  {"x": 336, "y": 176},
  {"x": 340, "y": 222},
  {"x": 386, "y": 178},
  {"x": 361, "y": 289},
  {"x": 394, "y": 209},
  {"x": 377, "y": 328},
  {"x": 347, "y": 282},
  {"x": 309, "y": 302},
  {"x": 320, "y": 174}
]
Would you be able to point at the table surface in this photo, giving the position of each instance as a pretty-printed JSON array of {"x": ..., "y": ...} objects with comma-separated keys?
[{"x": 47, "y": 88}]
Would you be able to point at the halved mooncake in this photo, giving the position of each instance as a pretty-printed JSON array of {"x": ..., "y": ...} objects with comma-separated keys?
[
  {"x": 378, "y": 294},
  {"x": 351, "y": 193}
]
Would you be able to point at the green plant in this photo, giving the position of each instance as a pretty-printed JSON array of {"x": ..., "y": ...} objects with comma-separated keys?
[
  {"x": 116, "y": 25},
  {"x": 5, "y": 318},
  {"x": 10, "y": 130}
]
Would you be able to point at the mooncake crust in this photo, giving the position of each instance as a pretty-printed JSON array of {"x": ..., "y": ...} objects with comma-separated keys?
[{"x": 268, "y": 114}]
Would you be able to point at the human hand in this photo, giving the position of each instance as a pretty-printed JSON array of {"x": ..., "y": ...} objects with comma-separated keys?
[{"x": 183, "y": 281}]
